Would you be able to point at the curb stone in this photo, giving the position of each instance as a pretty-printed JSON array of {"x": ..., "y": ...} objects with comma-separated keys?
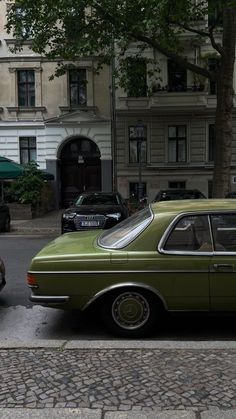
[
  {"x": 71, "y": 413},
  {"x": 168, "y": 414},
  {"x": 21, "y": 413}
]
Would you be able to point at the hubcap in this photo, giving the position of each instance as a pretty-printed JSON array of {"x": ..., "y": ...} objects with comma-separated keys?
[{"x": 130, "y": 310}]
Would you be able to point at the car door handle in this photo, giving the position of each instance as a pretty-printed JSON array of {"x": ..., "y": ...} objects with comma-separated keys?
[{"x": 223, "y": 267}]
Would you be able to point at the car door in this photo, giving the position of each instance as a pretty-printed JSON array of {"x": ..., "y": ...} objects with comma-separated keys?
[
  {"x": 187, "y": 254},
  {"x": 223, "y": 265}
]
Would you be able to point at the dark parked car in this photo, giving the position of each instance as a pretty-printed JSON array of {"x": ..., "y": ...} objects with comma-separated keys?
[
  {"x": 5, "y": 218},
  {"x": 95, "y": 210},
  {"x": 174, "y": 194},
  {"x": 231, "y": 195},
  {"x": 2, "y": 274}
]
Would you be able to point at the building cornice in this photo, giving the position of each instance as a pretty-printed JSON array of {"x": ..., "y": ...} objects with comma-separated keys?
[
  {"x": 12, "y": 41},
  {"x": 26, "y": 109}
]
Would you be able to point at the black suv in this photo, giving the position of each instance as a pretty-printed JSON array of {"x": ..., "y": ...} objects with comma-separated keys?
[
  {"x": 5, "y": 218},
  {"x": 94, "y": 210},
  {"x": 174, "y": 194}
]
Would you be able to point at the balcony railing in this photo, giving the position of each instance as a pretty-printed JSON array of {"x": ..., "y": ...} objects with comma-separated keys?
[
  {"x": 192, "y": 97},
  {"x": 179, "y": 88}
]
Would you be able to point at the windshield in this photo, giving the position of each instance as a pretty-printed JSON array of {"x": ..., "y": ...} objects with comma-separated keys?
[
  {"x": 126, "y": 231},
  {"x": 97, "y": 199}
]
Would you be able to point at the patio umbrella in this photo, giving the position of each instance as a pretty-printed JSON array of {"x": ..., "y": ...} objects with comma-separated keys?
[
  {"x": 12, "y": 170},
  {"x": 9, "y": 169}
]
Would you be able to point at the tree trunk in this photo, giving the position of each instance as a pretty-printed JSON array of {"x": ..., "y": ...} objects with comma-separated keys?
[
  {"x": 223, "y": 139},
  {"x": 224, "y": 109}
]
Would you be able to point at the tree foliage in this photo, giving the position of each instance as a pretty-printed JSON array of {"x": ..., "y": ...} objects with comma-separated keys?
[
  {"x": 28, "y": 187},
  {"x": 73, "y": 29}
]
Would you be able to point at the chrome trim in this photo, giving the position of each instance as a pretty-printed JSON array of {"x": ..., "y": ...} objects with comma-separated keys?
[
  {"x": 49, "y": 299},
  {"x": 195, "y": 252},
  {"x": 33, "y": 286},
  {"x": 133, "y": 238},
  {"x": 122, "y": 285},
  {"x": 151, "y": 271}
]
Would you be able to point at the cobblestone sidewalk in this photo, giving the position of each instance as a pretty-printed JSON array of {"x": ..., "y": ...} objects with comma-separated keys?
[
  {"x": 126, "y": 380},
  {"x": 48, "y": 224}
]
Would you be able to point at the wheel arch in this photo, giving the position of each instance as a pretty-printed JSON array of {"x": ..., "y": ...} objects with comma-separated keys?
[{"x": 124, "y": 285}]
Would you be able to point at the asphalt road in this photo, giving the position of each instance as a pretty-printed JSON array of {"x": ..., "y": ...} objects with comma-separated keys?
[
  {"x": 20, "y": 319},
  {"x": 17, "y": 253}
]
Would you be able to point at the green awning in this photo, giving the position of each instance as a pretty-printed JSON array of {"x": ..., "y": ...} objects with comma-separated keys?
[
  {"x": 12, "y": 170},
  {"x": 9, "y": 169}
]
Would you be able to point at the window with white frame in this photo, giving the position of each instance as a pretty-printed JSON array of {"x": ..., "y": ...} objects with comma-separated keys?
[
  {"x": 26, "y": 88},
  {"x": 134, "y": 189},
  {"x": 77, "y": 87},
  {"x": 27, "y": 149},
  {"x": 136, "y": 71},
  {"x": 178, "y": 184},
  {"x": 177, "y": 77},
  {"x": 177, "y": 143},
  {"x": 137, "y": 146}
]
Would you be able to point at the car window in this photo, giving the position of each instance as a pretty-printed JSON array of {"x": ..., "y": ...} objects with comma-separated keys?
[
  {"x": 224, "y": 232},
  {"x": 126, "y": 231},
  {"x": 190, "y": 234},
  {"x": 97, "y": 200},
  {"x": 179, "y": 194}
]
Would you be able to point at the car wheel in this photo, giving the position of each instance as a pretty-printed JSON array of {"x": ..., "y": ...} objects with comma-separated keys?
[
  {"x": 6, "y": 226},
  {"x": 130, "y": 313}
]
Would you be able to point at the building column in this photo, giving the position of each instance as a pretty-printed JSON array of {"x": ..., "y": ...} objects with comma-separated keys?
[
  {"x": 51, "y": 167},
  {"x": 106, "y": 172}
]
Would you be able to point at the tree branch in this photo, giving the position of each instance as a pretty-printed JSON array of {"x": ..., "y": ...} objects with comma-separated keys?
[
  {"x": 188, "y": 28},
  {"x": 215, "y": 45},
  {"x": 177, "y": 58}
]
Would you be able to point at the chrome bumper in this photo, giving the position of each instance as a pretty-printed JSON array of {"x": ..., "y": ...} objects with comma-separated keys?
[{"x": 49, "y": 299}]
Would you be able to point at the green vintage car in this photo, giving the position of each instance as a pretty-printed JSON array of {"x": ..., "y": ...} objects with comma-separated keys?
[{"x": 170, "y": 256}]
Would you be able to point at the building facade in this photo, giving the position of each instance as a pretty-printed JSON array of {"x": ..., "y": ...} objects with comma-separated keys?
[
  {"x": 177, "y": 114},
  {"x": 73, "y": 129},
  {"x": 63, "y": 124}
]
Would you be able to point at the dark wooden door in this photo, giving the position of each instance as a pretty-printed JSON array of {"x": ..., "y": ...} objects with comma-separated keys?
[{"x": 80, "y": 169}]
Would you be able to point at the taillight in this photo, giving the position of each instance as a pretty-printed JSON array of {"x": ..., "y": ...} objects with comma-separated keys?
[{"x": 31, "y": 280}]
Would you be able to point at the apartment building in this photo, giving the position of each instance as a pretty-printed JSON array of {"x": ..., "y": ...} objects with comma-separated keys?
[
  {"x": 177, "y": 120},
  {"x": 67, "y": 126},
  {"x": 63, "y": 124}
]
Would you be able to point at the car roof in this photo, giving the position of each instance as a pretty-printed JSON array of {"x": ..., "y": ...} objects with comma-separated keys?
[
  {"x": 98, "y": 193},
  {"x": 194, "y": 205},
  {"x": 179, "y": 190}
]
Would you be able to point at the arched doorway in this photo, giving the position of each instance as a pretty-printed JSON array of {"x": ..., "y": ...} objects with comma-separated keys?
[{"x": 80, "y": 166}]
